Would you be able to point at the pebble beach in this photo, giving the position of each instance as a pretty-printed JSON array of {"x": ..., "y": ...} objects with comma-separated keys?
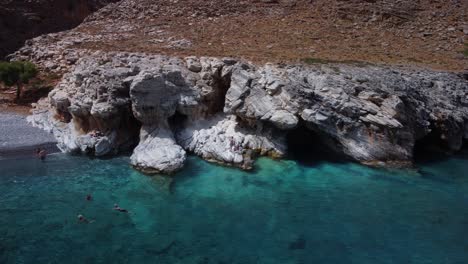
[{"x": 19, "y": 138}]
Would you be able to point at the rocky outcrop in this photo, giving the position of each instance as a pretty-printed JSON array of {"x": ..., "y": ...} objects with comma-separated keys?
[
  {"x": 101, "y": 106},
  {"x": 229, "y": 111},
  {"x": 158, "y": 151},
  {"x": 225, "y": 140},
  {"x": 372, "y": 114},
  {"x": 21, "y": 20}
]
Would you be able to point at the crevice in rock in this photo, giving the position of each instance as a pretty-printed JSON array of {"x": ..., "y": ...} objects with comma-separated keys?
[
  {"x": 177, "y": 121},
  {"x": 430, "y": 147},
  {"x": 63, "y": 116},
  {"x": 83, "y": 125},
  {"x": 221, "y": 86},
  {"x": 311, "y": 148},
  {"x": 129, "y": 135}
]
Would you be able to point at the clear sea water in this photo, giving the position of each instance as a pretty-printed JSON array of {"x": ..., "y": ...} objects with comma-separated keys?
[{"x": 283, "y": 212}]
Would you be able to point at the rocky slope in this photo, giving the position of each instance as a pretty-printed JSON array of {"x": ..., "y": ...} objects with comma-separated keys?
[
  {"x": 427, "y": 33},
  {"x": 23, "y": 19},
  {"x": 228, "y": 111}
]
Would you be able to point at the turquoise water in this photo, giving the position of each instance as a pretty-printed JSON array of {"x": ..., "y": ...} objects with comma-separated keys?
[{"x": 284, "y": 212}]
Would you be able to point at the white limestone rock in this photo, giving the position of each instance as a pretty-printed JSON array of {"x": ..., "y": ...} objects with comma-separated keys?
[
  {"x": 284, "y": 120},
  {"x": 157, "y": 152},
  {"x": 371, "y": 114},
  {"x": 223, "y": 140}
]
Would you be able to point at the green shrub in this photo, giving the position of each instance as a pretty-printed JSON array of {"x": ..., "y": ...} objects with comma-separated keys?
[{"x": 17, "y": 73}]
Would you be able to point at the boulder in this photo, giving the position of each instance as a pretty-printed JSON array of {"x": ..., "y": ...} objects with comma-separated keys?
[
  {"x": 284, "y": 120},
  {"x": 157, "y": 152}
]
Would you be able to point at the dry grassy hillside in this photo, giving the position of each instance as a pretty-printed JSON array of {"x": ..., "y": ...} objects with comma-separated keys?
[{"x": 419, "y": 32}]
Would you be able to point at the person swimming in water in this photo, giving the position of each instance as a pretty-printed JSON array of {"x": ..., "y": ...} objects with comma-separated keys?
[
  {"x": 82, "y": 219},
  {"x": 42, "y": 154},
  {"x": 120, "y": 209},
  {"x": 89, "y": 197}
]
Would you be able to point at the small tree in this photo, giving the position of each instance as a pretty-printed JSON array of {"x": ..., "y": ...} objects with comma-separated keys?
[{"x": 17, "y": 73}]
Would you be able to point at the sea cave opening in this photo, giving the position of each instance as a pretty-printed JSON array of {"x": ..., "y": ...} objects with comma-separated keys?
[
  {"x": 129, "y": 135},
  {"x": 432, "y": 147},
  {"x": 310, "y": 148}
]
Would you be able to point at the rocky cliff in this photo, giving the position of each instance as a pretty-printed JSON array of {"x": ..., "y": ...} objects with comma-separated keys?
[
  {"x": 158, "y": 79},
  {"x": 229, "y": 111},
  {"x": 23, "y": 19}
]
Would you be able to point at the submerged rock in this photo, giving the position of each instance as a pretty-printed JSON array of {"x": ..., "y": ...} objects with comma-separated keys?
[{"x": 229, "y": 111}]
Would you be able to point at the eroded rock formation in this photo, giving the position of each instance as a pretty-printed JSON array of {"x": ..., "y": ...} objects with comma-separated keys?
[{"x": 229, "y": 111}]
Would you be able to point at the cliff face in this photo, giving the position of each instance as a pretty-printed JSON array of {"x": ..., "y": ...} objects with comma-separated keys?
[
  {"x": 117, "y": 96},
  {"x": 21, "y": 20},
  {"x": 228, "y": 111}
]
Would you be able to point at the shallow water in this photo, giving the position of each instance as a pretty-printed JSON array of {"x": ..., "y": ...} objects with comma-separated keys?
[{"x": 284, "y": 212}]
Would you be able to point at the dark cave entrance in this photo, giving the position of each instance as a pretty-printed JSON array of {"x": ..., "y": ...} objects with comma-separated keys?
[
  {"x": 311, "y": 148},
  {"x": 129, "y": 134},
  {"x": 221, "y": 85},
  {"x": 432, "y": 147},
  {"x": 177, "y": 121}
]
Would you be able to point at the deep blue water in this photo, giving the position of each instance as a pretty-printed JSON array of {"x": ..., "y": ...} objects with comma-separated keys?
[{"x": 283, "y": 212}]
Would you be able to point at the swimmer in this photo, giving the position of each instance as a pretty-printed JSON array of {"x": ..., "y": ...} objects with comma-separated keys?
[
  {"x": 89, "y": 197},
  {"x": 118, "y": 208},
  {"x": 82, "y": 219},
  {"x": 42, "y": 154}
]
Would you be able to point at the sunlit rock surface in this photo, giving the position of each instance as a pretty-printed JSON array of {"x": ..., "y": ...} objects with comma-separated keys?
[{"x": 230, "y": 111}]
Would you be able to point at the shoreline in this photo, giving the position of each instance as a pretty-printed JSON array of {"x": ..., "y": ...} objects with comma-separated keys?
[
  {"x": 28, "y": 151},
  {"x": 12, "y": 108},
  {"x": 18, "y": 138}
]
